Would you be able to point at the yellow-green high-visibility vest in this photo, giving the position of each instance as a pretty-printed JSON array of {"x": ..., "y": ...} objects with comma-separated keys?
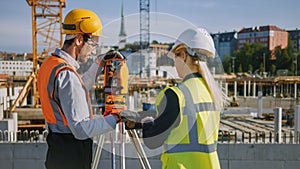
[{"x": 193, "y": 143}]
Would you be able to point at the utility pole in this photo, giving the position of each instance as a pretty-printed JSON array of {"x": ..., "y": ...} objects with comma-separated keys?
[
  {"x": 297, "y": 49},
  {"x": 296, "y": 64},
  {"x": 264, "y": 62},
  {"x": 232, "y": 64}
]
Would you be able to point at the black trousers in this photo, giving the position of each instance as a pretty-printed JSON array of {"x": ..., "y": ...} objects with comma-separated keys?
[{"x": 67, "y": 152}]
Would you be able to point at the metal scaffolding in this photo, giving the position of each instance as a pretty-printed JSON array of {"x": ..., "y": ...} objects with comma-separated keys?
[
  {"x": 144, "y": 29},
  {"x": 46, "y": 35}
]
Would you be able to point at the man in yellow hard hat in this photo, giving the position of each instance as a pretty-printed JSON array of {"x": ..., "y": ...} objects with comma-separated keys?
[{"x": 64, "y": 94}]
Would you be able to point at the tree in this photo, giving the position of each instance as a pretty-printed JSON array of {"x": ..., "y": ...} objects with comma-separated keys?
[
  {"x": 229, "y": 69},
  {"x": 250, "y": 68},
  {"x": 227, "y": 63},
  {"x": 240, "y": 68},
  {"x": 273, "y": 70},
  {"x": 292, "y": 70},
  {"x": 154, "y": 42},
  {"x": 261, "y": 68},
  {"x": 251, "y": 54}
]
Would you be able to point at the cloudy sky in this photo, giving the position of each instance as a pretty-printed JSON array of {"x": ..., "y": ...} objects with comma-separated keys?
[{"x": 168, "y": 17}]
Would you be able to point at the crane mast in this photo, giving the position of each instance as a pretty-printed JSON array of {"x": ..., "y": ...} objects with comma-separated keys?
[
  {"x": 46, "y": 18},
  {"x": 144, "y": 30}
]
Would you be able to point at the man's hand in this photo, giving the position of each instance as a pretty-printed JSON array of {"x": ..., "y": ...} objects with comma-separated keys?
[
  {"x": 131, "y": 119},
  {"x": 101, "y": 59},
  {"x": 128, "y": 115}
]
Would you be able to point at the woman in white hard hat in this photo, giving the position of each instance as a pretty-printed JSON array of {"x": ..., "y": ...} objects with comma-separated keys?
[
  {"x": 188, "y": 116},
  {"x": 64, "y": 94}
]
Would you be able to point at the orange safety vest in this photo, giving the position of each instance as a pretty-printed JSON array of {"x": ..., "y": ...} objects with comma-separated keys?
[{"x": 46, "y": 85}]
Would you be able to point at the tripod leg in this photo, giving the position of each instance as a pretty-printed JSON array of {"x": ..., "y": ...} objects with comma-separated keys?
[
  {"x": 122, "y": 146},
  {"x": 140, "y": 158},
  {"x": 138, "y": 146},
  {"x": 112, "y": 149},
  {"x": 98, "y": 150}
]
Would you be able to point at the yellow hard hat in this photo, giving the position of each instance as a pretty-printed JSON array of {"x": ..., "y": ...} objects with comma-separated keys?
[{"x": 84, "y": 21}]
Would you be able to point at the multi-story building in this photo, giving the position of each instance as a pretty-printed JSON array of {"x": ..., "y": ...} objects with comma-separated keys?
[
  {"x": 271, "y": 36},
  {"x": 225, "y": 43},
  {"x": 294, "y": 36},
  {"x": 148, "y": 60},
  {"x": 159, "y": 49},
  {"x": 144, "y": 59},
  {"x": 16, "y": 68},
  {"x": 12, "y": 64}
]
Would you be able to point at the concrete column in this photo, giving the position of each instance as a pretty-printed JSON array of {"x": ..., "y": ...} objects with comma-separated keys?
[
  {"x": 297, "y": 123},
  {"x": 235, "y": 89},
  {"x": 277, "y": 124},
  {"x": 245, "y": 88},
  {"x": 148, "y": 94},
  {"x": 249, "y": 88},
  {"x": 274, "y": 92},
  {"x": 137, "y": 100},
  {"x": 7, "y": 103},
  {"x": 140, "y": 98},
  {"x": 131, "y": 102},
  {"x": 259, "y": 104},
  {"x": 254, "y": 89},
  {"x": 226, "y": 89},
  {"x": 295, "y": 90},
  {"x": 131, "y": 99},
  {"x": 221, "y": 84},
  {"x": 15, "y": 125},
  {"x": 1, "y": 109}
]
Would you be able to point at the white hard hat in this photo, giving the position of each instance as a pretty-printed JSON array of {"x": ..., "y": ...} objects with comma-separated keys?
[{"x": 198, "y": 40}]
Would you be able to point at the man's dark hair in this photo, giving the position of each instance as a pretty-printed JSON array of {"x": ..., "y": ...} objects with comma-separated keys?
[{"x": 70, "y": 41}]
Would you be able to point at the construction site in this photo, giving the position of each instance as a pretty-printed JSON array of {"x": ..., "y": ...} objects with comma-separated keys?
[{"x": 259, "y": 128}]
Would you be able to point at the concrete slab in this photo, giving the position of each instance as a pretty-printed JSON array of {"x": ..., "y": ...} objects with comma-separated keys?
[
  {"x": 6, "y": 163},
  {"x": 238, "y": 164},
  {"x": 25, "y": 163},
  {"x": 6, "y": 151},
  {"x": 232, "y": 156},
  {"x": 35, "y": 151},
  {"x": 292, "y": 164}
]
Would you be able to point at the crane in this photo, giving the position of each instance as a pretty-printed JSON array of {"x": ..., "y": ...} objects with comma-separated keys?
[
  {"x": 144, "y": 29},
  {"x": 47, "y": 34},
  {"x": 46, "y": 16}
]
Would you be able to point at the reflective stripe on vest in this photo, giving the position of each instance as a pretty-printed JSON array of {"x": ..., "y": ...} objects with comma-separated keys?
[
  {"x": 46, "y": 83},
  {"x": 190, "y": 110}
]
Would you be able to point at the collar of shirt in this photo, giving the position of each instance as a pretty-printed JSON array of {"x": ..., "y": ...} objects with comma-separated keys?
[{"x": 67, "y": 57}]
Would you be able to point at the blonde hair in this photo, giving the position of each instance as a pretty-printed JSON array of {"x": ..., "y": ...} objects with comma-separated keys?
[
  {"x": 217, "y": 92},
  {"x": 199, "y": 57}
]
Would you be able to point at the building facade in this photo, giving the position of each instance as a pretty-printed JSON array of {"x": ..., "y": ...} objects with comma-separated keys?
[
  {"x": 16, "y": 68},
  {"x": 225, "y": 43},
  {"x": 159, "y": 49},
  {"x": 294, "y": 36},
  {"x": 271, "y": 36}
]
